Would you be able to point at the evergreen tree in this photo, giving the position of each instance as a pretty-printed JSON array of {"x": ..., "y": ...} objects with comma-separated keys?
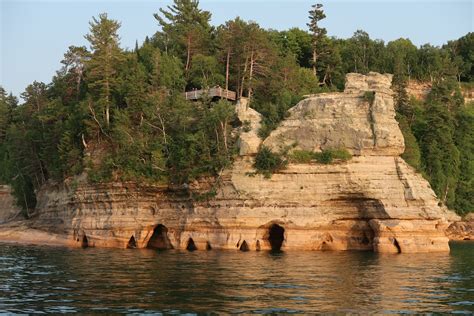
[
  {"x": 439, "y": 152},
  {"x": 74, "y": 62},
  {"x": 205, "y": 72},
  {"x": 464, "y": 139},
  {"x": 318, "y": 33},
  {"x": 104, "y": 61},
  {"x": 186, "y": 27}
]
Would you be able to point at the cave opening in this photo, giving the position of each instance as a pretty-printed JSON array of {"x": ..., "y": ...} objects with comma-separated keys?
[
  {"x": 276, "y": 236},
  {"x": 159, "y": 239},
  {"x": 191, "y": 246},
  {"x": 84, "y": 242},
  {"x": 397, "y": 245},
  {"x": 132, "y": 244},
  {"x": 244, "y": 246}
]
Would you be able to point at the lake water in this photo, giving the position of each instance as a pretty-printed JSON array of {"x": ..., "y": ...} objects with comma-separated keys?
[{"x": 46, "y": 279}]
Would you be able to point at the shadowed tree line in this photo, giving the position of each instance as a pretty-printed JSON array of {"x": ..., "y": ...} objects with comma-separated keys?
[{"x": 120, "y": 115}]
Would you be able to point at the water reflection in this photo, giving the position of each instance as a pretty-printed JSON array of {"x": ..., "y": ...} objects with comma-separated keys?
[{"x": 45, "y": 279}]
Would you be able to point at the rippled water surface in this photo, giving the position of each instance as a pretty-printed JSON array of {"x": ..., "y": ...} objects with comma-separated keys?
[{"x": 46, "y": 279}]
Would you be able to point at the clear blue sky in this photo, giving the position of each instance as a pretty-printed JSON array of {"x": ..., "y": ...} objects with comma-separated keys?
[{"x": 35, "y": 33}]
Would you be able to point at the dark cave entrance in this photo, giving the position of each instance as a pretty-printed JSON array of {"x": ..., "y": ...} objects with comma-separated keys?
[
  {"x": 397, "y": 245},
  {"x": 159, "y": 240},
  {"x": 191, "y": 246},
  {"x": 132, "y": 244},
  {"x": 84, "y": 242},
  {"x": 276, "y": 236},
  {"x": 244, "y": 246}
]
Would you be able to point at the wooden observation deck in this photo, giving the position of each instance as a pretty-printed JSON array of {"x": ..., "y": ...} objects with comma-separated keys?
[{"x": 211, "y": 92}]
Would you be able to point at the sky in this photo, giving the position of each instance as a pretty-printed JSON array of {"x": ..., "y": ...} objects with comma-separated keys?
[{"x": 35, "y": 34}]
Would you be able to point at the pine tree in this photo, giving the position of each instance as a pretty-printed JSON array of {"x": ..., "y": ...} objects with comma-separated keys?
[
  {"x": 317, "y": 32},
  {"x": 439, "y": 152},
  {"x": 106, "y": 56},
  {"x": 74, "y": 62},
  {"x": 186, "y": 26},
  {"x": 399, "y": 86},
  {"x": 464, "y": 138}
]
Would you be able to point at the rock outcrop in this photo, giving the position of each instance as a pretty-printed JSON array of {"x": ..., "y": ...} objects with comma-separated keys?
[
  {"x": 374, "y": 201},
  {"x": 8, "y": 208},
  {"x": 420, "y": 90},
  {"x": 362, "y": 120},
  {"x": 462, "y": 230},
  {"x": 248, "y": 140}
]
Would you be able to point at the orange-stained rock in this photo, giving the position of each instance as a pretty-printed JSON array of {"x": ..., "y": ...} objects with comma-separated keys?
[{"x": 374, "y": 201}]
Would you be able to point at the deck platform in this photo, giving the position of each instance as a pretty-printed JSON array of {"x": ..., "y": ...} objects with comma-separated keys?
[{"x": 211, "y": 92}]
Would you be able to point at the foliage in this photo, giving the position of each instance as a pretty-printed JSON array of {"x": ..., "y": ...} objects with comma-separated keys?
[
  {"x": 369, "y": 96},
  {"x": 326, "y": 156},
  {"x": 268, "y": 162},
  {"x": 464, "y": 140},
  {"x": 412, "y": 153},
  {"x": 302, "y": 156},
  {"x": 120, "y": 115},
  {"x": 316, "y": 14}
]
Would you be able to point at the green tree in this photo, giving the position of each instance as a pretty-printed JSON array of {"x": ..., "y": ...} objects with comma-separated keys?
[
  {"x": 259, "y": 54},
  {"x": 464, "y": 139},
  {"x": 167, "y": 72},
  {"x": 104, "y": 62},
  {"x": 316, "y": 14},
  {"x": 205, "y": 72},
  {"x": 402, "y": 55},
  {"x": 439, "y": 152},
  {"x": 74, "y": 62},
  {"x": 186, "y": 27}
]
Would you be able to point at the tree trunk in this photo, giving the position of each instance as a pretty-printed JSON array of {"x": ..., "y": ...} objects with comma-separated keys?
[
  {"x": 322, "y": 83},
  {"x": 315, "y": 58},
  {"x": 227, "y": 69},
  {"x": 252, "y": 61},
  {"x": 224, "y": 134},
  {"x": 445, "y": 193},
  {"x": 243, "y": 77},
  {"x": 188, "y": 58}
]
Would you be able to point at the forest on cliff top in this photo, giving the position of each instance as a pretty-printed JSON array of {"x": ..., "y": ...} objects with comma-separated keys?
[{"x": 120, "y": 114}]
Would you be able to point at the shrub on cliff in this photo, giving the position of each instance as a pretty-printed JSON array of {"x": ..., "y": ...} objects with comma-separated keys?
[
  {"x": 268, "y": 162},
  {"x": 326, "y": 156},
  {"x": 302, "y": 156}
]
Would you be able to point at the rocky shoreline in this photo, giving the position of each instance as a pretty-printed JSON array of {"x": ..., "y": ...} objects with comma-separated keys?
[{"x": 374, "y": 201}]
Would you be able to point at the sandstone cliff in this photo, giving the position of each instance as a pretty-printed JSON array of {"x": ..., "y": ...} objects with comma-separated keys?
[
  {"x": 8, "y": 208},
  {"x": 374, "y": 201},
  {"x": 348, "y": 120},
  {"x": 462, "y": 230},
  {"x": 420, "y": 90}
]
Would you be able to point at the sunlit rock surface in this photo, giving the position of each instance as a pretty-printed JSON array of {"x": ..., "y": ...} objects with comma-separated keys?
[
  {"x": 374, "y": 201},
  {"x": 348, "y": 120}
]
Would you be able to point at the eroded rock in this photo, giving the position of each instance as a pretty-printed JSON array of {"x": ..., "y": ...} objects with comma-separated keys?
[
  {"x": 8, "y": 208},
  {"x": 364, "y": 125},
  {"x": 374, "y": 201}
]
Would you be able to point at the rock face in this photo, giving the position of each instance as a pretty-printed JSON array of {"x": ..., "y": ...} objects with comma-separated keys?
[
  {"x": 345, "y": 120},
  {"x": 248, "y": 141},
  {"x": 462, "y": 230},
  {"x": 420, "y": 90},
  {"x": 374, "y": 201},
  {"x": 8, "y": 208}
]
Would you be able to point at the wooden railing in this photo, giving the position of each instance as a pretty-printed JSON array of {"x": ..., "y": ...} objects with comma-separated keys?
[{"x": 211, "y": 92}]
